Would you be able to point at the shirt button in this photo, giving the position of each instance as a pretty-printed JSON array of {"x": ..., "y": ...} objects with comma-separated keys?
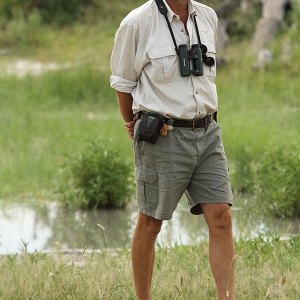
[
  {"x": 196, "y": 93},
  {"x": 182, "y": 30}
]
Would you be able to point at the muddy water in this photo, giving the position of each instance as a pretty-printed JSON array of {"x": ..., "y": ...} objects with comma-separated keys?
[{"x": 49, "y": 227}]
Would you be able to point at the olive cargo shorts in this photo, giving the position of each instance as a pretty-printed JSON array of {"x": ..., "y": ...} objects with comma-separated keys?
[{"x": 185, "y": 161}]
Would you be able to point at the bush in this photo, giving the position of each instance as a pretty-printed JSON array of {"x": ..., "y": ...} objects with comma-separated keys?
[
  {"x": 52, "y": 11},
  {"x": 278, "y": 182},
  {"x": 24, "y": 31},
  {"x": 98, "y": 178},
  {"x": 242, "y": 24},
  {"x": 243, "y": 173}
]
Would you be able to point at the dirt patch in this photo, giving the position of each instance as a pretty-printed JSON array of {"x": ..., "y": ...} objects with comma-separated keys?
[
  {"x": 23, "y": 67},
  {"x": 77, "y": 257}
]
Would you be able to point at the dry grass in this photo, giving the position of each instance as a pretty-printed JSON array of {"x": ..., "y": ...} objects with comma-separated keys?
[{"x": 266, "y": 268}]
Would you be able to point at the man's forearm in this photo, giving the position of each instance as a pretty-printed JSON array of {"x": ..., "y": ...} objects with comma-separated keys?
[{"x": 125, "y": 105}]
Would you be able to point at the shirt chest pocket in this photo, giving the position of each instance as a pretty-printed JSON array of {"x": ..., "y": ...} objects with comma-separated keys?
[
  {"x": 211, "y": 52},
  {"x": 164, "y": 64}
]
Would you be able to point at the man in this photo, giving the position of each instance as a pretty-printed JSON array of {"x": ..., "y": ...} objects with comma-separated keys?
[{"x": 166, "y": 87}]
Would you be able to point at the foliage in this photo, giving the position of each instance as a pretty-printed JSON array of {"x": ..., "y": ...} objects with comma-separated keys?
[
  {"x": 243, "y": 175},
  {"x": 61, "y": 12},
  {"x": 272, "y": 175},
  {"x": 98, "y": 178},
  {"x": 52, "y": 114},
  {"x": 266, "y": 268},
  {"x": 278, "y": 181},
  {"x": 27, "y": 32},
  {"x": 242, "y": 24},
  {"x": 260, "y": 248},
  {"x": 47, "y": 116}
]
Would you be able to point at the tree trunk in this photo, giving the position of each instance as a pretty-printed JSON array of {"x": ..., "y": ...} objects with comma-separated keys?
[
  {"x": 273, "y": 14},
  {"x": 272, "y": 17}
]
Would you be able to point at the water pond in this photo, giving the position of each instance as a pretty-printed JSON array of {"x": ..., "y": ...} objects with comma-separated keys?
[{"x": 48, "y": 227}]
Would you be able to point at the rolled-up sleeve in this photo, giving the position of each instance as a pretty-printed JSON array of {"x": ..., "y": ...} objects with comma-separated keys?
[{"x": 124, "y": 76}]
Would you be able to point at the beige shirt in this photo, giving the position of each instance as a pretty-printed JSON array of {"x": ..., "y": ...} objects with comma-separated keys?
[{"x": 144, "y": 62}]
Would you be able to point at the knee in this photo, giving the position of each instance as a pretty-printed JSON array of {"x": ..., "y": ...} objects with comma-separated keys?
[
  {"x": 220, "y": 221},
  {"x": 153, "y": 227},
  {"x": 149, "y": 225}
]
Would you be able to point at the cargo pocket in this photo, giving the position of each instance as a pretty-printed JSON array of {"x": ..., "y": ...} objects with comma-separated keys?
[
  {"x": 163, "y": 62},
  {"x": 211, "y": 52},
  {"x": 146, "y": 185}
]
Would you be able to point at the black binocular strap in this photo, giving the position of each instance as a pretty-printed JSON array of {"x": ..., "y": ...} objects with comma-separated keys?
[
  {"x": 197, "y": 30},
  {"x": 164, "y": 11}
]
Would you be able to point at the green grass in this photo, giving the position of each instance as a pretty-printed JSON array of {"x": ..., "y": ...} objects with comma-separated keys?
[
  {"x": 55, "y": 114},
  {"x": 258, "y": 108},
  {"x": 44, "y": 118},
  {"x": 51, "y": 116},
  {"x": 266, "y": 268},
  {"x": 35, "y": 143}
]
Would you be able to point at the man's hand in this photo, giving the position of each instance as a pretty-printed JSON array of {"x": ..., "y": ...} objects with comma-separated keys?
[{"x": 129, "y": 127}]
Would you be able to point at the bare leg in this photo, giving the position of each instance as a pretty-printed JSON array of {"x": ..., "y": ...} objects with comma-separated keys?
[
  {"x": 221, "y": 248},
  {"x": 143, "y": 254}
]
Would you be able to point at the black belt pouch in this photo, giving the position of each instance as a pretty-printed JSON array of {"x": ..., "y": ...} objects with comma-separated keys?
[{"x": 149, "y": 128}]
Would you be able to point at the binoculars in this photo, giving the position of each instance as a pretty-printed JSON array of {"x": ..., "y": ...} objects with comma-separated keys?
[{"x": 191, "y": 61}]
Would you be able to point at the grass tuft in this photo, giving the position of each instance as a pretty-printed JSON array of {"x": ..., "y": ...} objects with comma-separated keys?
[{"x": 266, "y": 268}]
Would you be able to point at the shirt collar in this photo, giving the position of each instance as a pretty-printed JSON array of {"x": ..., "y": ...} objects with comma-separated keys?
[{"x": 171, "y": 13}]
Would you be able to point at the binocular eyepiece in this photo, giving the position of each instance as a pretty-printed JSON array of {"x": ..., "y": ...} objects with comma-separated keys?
[
  {"x": 209, "y": 61},
  {"x": 191, "y": 61}
]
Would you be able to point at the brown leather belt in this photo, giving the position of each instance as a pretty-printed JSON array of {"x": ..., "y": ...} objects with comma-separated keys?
[{"x": 194, "y": 124}]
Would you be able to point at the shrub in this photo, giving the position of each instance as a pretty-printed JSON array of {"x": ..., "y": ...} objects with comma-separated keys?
[
  {"x": 98, "y": 178},
  {"x": 24, "y": 31},
  {"x": 278, "y": 182},
  {"x": 242, "y": 23},
  {"x": 53, "y": 11},
  {"x": 243, "y": 173}
]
